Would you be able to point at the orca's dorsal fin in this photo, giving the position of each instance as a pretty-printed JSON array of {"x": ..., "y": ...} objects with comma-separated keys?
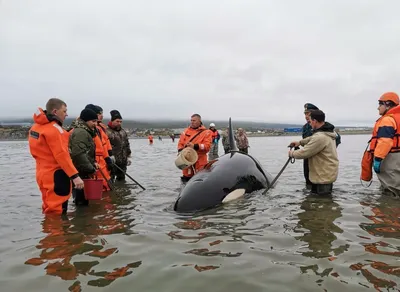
[{"x": 232, "y": 142}]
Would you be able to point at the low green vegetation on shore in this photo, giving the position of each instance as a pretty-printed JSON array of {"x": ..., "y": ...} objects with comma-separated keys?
[{"x": 18, "y": 132}]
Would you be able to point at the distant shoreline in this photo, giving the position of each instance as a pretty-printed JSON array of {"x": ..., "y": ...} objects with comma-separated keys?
[{"x": 342, "y": 133}]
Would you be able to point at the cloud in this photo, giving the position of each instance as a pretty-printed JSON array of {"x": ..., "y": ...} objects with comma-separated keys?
[{"x": 252, "y": 60}]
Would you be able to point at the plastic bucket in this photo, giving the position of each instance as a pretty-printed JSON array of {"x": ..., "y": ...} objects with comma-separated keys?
[
  {"x": 93, "y": 188},
  {"x": 187, "y": 157}
]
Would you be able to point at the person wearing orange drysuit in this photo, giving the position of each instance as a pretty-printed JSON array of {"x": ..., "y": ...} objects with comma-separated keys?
[
  {"x": 150, "y": 137},
  {"x": 196, "y": 136},
  {"x": 103, "y": 148},
  {"x": 82, "y": 149},
  {"x": 48, "y": 144},
  {"x": 104, "y": 134},
  {"x": 385, "y": 143}
]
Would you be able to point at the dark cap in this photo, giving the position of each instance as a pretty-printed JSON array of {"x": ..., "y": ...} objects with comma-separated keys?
[
  {"x": 88, "y": 115},
  {"x": 308, "y": 107},
  {"x": 98, "y": 110},
  {"x": 115, "y": 115}
]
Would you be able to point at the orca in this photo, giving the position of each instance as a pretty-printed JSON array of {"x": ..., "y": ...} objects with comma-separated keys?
[{"x": 222, "y": 180}]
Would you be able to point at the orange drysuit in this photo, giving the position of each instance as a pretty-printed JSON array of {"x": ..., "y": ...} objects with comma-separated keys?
[
  {"x": 106, "y": 139},
  {"x": 48, "y": 144},
  {"x": 101, "y": 155},
  {"x": 202, "y": 143}
]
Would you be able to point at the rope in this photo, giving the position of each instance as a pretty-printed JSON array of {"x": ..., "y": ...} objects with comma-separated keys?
[
  {"x": 291, "y": 160},
  {"x": 366, "y": 186}
]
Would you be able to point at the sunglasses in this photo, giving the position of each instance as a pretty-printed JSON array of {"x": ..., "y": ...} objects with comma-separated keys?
[{"x": 381, "y": 102}]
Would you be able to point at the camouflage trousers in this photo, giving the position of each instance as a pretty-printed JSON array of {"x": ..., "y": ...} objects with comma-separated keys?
[{"x": 213, "y": 154}]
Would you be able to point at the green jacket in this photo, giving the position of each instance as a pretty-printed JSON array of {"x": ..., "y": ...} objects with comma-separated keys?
[{"x": 82, "y": 147}]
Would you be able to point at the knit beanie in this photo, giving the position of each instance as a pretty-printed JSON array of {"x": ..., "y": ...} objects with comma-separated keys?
[
  {"x": 88, "y": 115},
  {"x": 115, "y": 115},
  {"x": 98, "y": 110}
]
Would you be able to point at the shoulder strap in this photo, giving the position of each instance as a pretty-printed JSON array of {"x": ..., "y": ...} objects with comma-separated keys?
[
  {"x": 104, "y": 129},
  {"x": 192, "y": 139},
  {"x": 195, "y": 136},
  {"x": 98, "y": 134}
]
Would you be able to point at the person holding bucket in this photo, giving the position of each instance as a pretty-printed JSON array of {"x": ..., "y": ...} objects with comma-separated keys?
[
  {"x": 48, "y": 144},
  {"x": 196, "y": 138},
  {"x": 83, "y": 150},
  {"x": 104, "y": 157},
  {"x": 384, "y": 146}
]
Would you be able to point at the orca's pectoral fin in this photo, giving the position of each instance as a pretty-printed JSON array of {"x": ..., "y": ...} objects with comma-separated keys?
[{"x": 233, "y": 195}]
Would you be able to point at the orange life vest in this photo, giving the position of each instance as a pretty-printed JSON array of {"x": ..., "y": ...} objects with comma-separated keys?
[
  {"x": 386, "y": 134},
  {"x": 214, "y": 135},
  {"x": 385, "y": 139}
]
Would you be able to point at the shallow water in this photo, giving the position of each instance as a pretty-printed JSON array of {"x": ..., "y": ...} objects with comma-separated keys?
[{"x": 281, "y": 240}]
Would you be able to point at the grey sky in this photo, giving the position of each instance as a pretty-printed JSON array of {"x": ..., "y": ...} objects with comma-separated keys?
[{"x": 252, "y": 60}]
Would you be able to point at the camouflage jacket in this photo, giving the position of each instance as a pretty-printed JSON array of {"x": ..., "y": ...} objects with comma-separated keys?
[
  {"x": 82, "y": 147},
  {"x": 242, "y": 141},
  {"x": 120, "y": 145},
  {"x": 225, "y": 139}
]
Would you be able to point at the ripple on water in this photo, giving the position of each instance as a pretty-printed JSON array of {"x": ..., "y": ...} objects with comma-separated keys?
[{"x": 281, "y": 240}]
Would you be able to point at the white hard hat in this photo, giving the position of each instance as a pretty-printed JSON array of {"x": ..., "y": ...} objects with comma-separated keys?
[{"x": 212, "y": 125}]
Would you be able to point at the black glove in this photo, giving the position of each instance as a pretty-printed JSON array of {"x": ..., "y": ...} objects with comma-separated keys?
[
  {"x": 109, "y": 163},
  {"x": 93, "y": 171}
]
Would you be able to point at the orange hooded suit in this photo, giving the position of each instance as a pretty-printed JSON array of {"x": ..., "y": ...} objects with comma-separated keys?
[
  {"x": 202, "y": 144},
  {"x": 48, "y": 144},
  {"x": 103, "y": 151}
]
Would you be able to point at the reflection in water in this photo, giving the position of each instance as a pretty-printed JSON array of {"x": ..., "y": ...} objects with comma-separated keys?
[
  {"x": 385, "y": 218},
  {"x": 82, "y": 233},
  {"x": 385, "y": 222},
  {"x": 225, "y": 221},
  {"x": 318, "y": 228},
  {"x": 271, "y": 258}
]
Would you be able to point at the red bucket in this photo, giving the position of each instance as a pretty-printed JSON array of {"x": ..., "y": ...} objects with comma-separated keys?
[{"x": 93, "y": 188}]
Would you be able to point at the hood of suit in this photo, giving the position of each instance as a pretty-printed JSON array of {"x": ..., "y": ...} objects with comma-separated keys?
[{"x": 41, "y": 117}]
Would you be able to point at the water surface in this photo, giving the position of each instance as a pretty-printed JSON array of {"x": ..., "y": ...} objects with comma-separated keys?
[{"x": 281, "y": 240}]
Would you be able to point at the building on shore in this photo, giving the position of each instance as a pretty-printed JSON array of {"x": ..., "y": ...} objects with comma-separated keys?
[{"x": 292, "y": 130}]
